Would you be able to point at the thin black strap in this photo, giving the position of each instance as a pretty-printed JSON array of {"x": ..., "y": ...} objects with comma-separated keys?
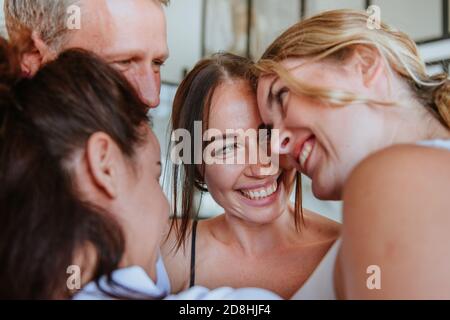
[{"x": 194, "y": 233}]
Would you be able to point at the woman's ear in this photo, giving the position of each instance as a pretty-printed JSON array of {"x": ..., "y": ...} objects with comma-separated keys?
[
  {"x": 104, "y": 159},
  {"x": 367, "y": 63},
  {"x": 36, "y": 56}
]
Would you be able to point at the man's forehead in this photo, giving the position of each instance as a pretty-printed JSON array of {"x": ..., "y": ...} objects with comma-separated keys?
[
  {"x": 96, "y": 26},
  {"x": 110, "y": 26}
]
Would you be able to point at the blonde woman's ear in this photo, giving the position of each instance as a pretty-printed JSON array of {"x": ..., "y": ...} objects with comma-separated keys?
[{"x": 367, "y": 62}]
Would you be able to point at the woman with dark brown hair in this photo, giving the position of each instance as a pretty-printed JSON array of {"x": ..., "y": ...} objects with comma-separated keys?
[
  {"x": 260, "y": 240},
  {"x": 81, "y": 205}
]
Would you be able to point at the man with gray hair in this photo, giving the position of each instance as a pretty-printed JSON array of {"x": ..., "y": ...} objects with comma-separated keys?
[{"x": 129, "y": 34}]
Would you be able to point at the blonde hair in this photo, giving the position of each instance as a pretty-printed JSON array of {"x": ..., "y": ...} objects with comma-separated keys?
[
  {"x": 332, "y": 35},
  {"x": 46, "y": 17}
]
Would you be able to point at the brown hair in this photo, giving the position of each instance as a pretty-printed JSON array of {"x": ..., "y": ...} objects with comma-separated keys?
[
  {"x": 192, "y": 103},
  {"x": 43, "y": 121},
  {"x": 329, "y": 35}
]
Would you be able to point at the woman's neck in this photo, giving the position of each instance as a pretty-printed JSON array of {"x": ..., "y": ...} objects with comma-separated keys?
[
  {"x": 148, "y": 263},
  {"x": 256, "y": 239},
  {"x": 418, "y": 127}
]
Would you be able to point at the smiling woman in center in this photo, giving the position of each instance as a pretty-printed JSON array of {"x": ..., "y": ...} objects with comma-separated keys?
[{"x": 260, "y": 240}]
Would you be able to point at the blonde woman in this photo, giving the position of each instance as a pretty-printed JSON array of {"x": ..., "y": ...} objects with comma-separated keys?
[{"x": 358, "y": 113}]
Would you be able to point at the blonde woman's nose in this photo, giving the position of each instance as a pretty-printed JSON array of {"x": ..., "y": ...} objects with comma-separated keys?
[{"x": 282, "y": 144}]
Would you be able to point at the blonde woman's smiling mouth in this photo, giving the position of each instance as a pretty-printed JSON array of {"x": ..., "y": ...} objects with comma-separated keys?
[{"x": 303, "y": 152}]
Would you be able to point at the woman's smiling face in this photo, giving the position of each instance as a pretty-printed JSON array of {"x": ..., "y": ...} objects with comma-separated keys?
[
  {"x": 323, "y": 141},
  {"x": 248, "y": 190}
]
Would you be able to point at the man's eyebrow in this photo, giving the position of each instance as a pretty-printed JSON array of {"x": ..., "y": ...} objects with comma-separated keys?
[
  {"x": 114, "y": 56},
  {"x": 164, "y": 55}
]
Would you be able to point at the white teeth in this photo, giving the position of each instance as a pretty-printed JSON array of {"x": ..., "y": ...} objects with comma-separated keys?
[
  {"x": 306, "y": 152},
  {"x": 262, "y": 193}
]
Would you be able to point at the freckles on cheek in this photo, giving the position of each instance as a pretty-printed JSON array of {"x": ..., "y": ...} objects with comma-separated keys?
[{"x": 220, "y": 179}]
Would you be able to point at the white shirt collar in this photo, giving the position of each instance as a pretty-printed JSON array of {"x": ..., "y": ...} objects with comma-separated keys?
[{"x": 130, "y": 280}]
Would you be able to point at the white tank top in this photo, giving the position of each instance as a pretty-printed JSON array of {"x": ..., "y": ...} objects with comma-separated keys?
[
  {"x": 440, "y": 144},
  {"x": 320, "y": 285}
]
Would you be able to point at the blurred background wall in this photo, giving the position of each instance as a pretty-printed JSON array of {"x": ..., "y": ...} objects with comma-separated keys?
[{"x": 197, "y": 28}]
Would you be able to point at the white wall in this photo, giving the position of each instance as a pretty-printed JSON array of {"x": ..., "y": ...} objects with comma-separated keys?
[
  {"x": 2, "y": 20},
  {"x": 434, "y": 51},
  {"x": 316, "y": 6},
  {"x": 184, "y": 28},
  {"x": 421, "y": 19}
]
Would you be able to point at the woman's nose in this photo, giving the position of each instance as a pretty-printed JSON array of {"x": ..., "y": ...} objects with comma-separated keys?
[
  {"x": 281, "y": 142},
  {"x": 262, "y": 169},
  {"x": 259, "y": 163}
]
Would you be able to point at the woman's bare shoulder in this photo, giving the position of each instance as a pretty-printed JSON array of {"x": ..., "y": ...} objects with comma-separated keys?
[
  {"x": 405, "y": 174},
  {"x": 396, "y": 217},
  {"x": 322, "y": 226},
  {"x": 176, "y": 258}
]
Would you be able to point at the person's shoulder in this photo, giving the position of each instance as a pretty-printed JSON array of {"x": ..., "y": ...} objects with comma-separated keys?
[
  {"x": 211, "y": 239},
  {"x": 396, "y": 215},
  {"x": 176, "y": 257},
  {"x": 323, "y": 226},
  {"x": 400, "y": 159},
  {"x": 399, "y": 176}
]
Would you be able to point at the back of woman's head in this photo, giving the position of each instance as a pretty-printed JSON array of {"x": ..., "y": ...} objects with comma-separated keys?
[
  {"x": 44, "y": 121},
  {"x": 333, "y": 35}
]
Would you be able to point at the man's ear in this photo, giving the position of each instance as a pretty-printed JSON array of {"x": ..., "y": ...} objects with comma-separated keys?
[
  {"x": 36, "y": 56},
  {"x": 104, "y": 159},
  {"x": 368, "y": 63}
]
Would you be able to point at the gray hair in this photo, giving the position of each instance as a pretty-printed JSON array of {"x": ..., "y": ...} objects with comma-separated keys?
[{"x": 46, "y": 17}]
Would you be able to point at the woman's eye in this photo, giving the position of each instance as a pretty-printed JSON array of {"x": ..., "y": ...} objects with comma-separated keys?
[
  {"x": 281, "y": 95},
  {"x": 227, "y": 149}
]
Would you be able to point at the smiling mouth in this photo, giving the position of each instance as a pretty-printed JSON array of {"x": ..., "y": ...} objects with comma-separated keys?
[
  {"x": 306, "y": 152},
  {"x": 262, "y": 192}
]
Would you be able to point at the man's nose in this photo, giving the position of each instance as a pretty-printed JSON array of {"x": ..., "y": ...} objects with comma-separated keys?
[{"x": 148, "y": 85}]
